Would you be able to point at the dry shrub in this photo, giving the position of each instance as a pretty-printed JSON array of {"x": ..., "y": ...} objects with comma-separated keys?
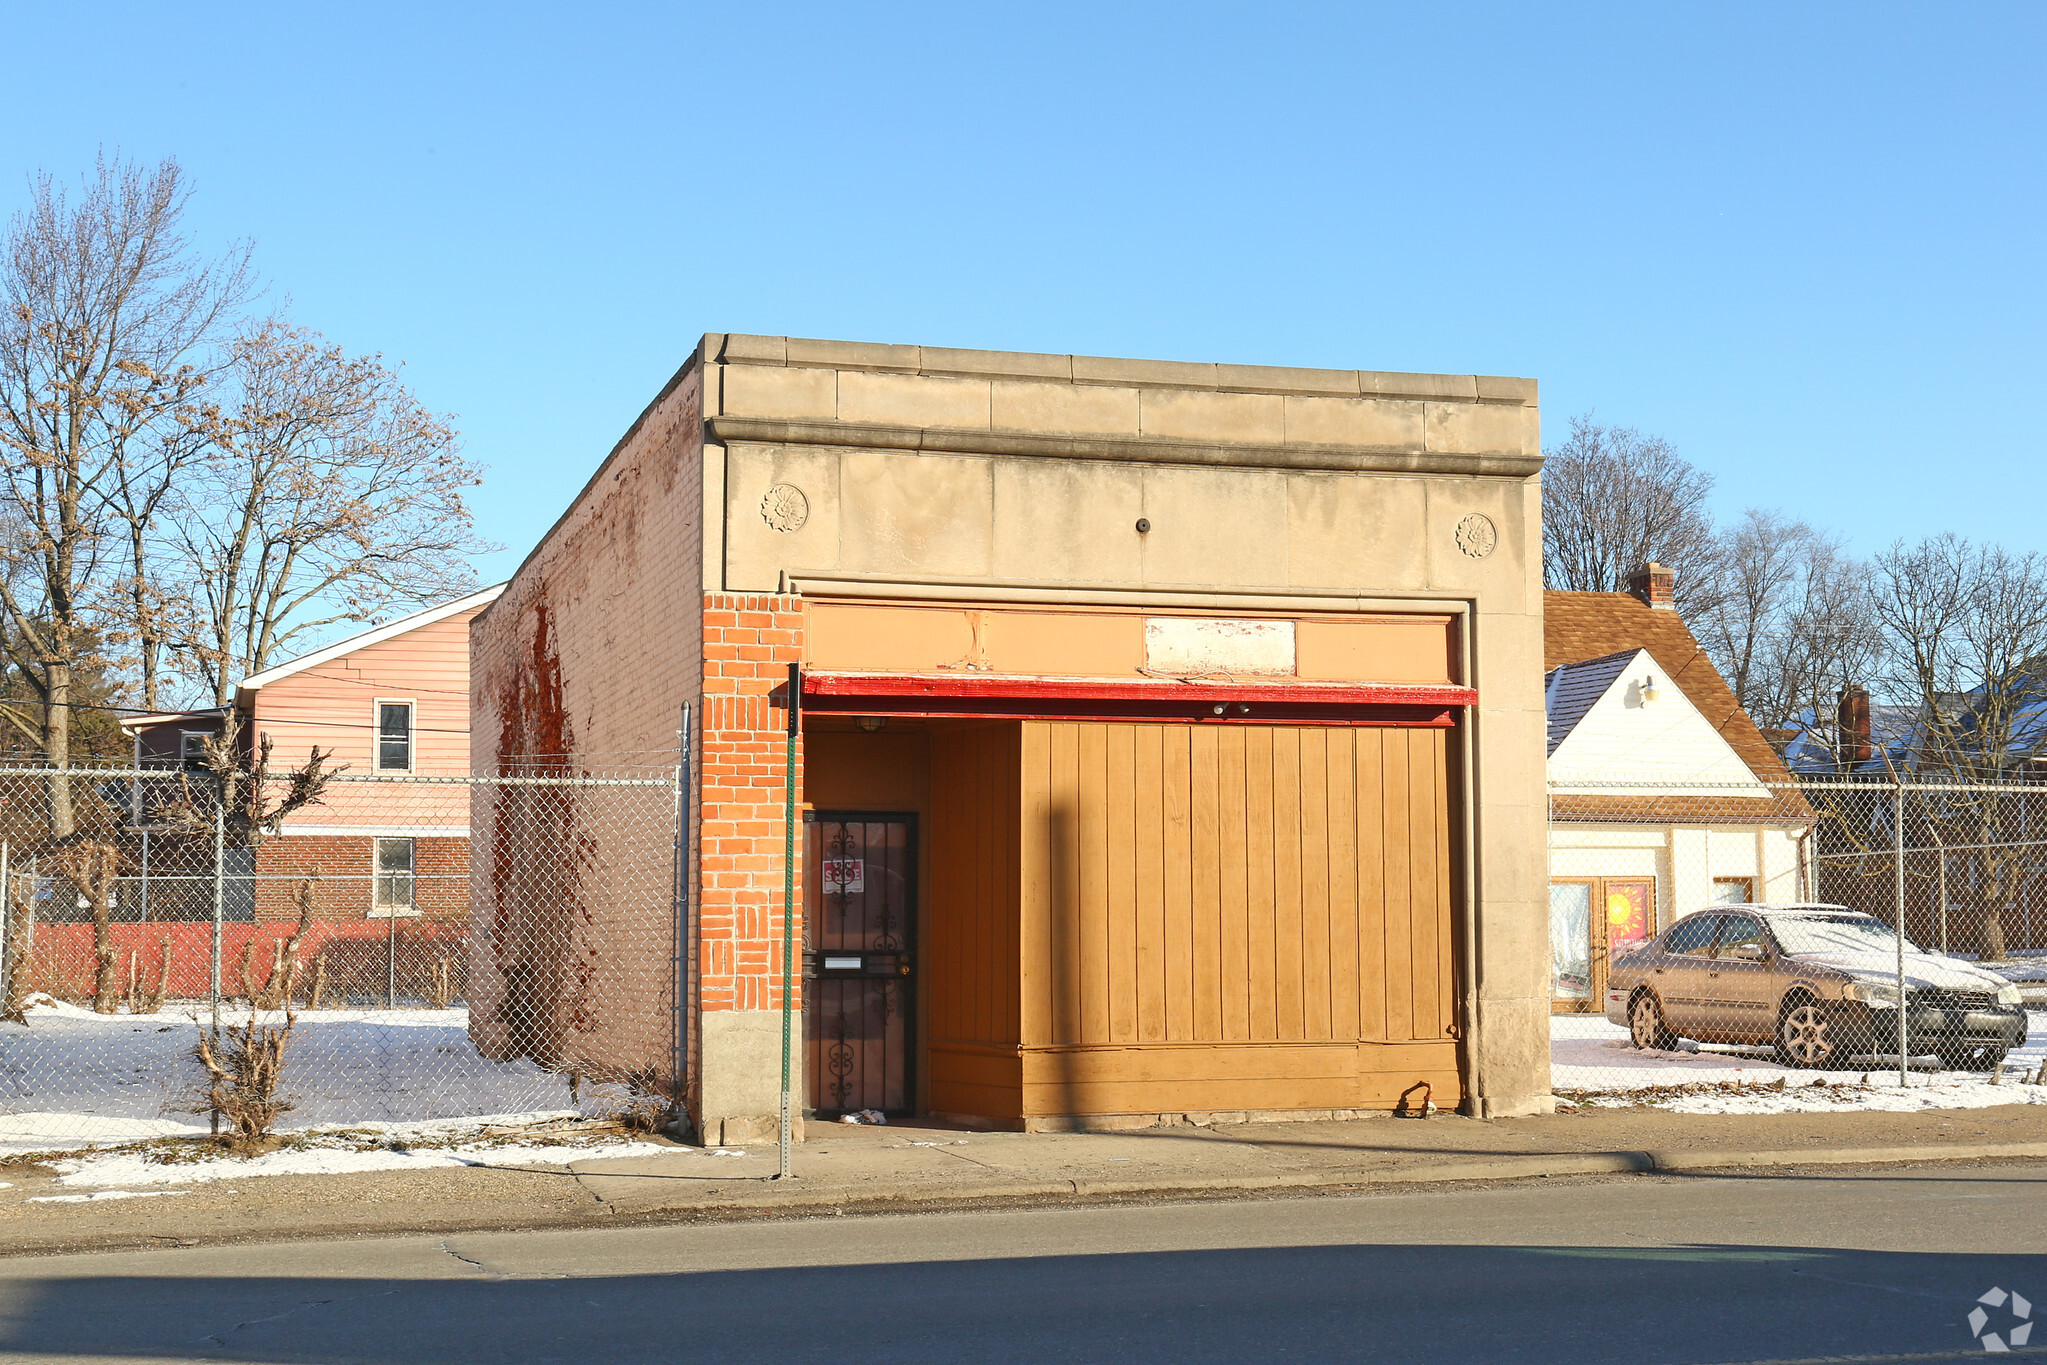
[
  {"x": 144, "y": 999},
  {"x": 284, "y": 963},
  {"x": 645, "y": 1109},
  {"x": 245, "y": 1062},
  {"x": 442, "y": 991}
]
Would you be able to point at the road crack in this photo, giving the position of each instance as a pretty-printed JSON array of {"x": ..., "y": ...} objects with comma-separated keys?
[{"x": 220, "y": 1338}]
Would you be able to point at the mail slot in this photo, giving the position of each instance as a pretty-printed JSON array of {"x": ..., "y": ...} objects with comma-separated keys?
[{"x": 887, "y": 963}]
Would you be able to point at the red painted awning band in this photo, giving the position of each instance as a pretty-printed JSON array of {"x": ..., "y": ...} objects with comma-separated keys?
[{"x": 1041, "y": 698}]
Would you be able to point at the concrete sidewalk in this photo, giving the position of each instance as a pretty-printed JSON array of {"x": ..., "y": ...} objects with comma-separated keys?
[{"x": 851, "y": 1169}]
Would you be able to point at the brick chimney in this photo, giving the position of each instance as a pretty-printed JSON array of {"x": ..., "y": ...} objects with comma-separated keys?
[
  {"x": 1655, "y": 586},
  {"x": 1851, "y": 715}
]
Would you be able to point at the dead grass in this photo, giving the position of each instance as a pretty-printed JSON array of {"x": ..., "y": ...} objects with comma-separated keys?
[{"x": 1649, "y": 1096}]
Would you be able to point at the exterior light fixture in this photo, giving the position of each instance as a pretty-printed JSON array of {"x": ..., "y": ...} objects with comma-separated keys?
[
  {"x": 1649, "y": 692},
  {"x": 1220, "y": 708},
  {"x": 872, "y": 723}
]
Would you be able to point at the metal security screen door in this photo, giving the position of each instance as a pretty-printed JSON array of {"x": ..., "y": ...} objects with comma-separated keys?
[{"x": 860, "y": 897}]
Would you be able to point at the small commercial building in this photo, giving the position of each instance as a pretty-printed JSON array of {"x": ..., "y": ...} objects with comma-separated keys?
[{"x": 1172, "y": 738}]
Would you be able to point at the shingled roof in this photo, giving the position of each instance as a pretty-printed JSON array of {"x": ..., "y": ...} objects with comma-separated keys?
[
  {"x": 1582, "y": 626},
  {"x": 1570, "y": 691}
]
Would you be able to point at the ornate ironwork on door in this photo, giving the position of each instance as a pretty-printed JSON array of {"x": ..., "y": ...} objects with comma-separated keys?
[{"x": 860, "y": 882}]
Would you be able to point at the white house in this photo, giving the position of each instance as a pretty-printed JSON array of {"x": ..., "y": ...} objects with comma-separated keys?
[{"x": 1661, "y": 795}]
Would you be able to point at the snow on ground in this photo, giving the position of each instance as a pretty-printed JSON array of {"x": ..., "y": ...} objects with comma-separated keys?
[
  {"x": 1592, "y": 1060},
  {"x": 70, "y": 1078},
  {"x": 143, "y": 1167},
  {"x": 99, "y": 1195}
]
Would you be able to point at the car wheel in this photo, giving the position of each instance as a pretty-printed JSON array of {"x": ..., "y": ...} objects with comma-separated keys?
[
  {"x": 1646, "y": 1028},
  {"x": 1807, "y": 1036},
  {"x": 1986, "y": 1058}
]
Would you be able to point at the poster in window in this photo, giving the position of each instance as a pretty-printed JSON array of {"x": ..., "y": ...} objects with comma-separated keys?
[{"x": 1627, "y": 915}]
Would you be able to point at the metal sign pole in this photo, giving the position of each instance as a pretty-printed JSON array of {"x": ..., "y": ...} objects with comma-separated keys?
[
  {"x": 679, "y": 1097},
  {"x": 795, "y": 712}
]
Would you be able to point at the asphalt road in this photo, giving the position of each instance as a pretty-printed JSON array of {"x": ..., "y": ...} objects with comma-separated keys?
[{"x": 1866, "y": 1265}]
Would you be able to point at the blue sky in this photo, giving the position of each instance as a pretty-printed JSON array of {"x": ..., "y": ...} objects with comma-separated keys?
[{"x": 1801, "y": 242}]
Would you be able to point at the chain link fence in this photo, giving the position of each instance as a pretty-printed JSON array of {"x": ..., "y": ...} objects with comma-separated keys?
[
  {"x": 1829, "y": 943},
  {"x": 431, "y": 949}
]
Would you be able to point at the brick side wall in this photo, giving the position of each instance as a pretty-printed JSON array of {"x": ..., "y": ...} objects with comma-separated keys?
[
  {"x": 343, "y": 865},
  {"x": 582, "y": 667},
  {"x": 749, "y": 643}
]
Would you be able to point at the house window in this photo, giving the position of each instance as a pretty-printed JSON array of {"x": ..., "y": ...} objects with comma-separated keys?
[
  {"x": 394, "y": 736},
  {"x": 192, "y": 747},
  {"x": 1733, "y": 891},
  {"x": 392, "y": 880}
]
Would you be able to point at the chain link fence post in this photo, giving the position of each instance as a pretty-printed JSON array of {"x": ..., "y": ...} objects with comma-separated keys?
[{"x": 1898, "y": 900}]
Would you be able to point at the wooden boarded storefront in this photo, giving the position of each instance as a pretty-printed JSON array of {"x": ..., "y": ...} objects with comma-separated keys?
[
  {"x": 1139, "y": 918},
  {"x": 1133, "y": 895}
]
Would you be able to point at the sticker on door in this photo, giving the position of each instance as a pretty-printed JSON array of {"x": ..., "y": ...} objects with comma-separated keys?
[{"x": 845, "y": 876}]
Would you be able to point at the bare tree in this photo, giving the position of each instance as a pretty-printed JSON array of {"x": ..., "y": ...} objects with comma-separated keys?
[
  {"x": 243, "y": 790},
  {"x": 1614, "y": 499},
  {"x": 93, "y": 866},
  {"x": 155, "y": 613},
  {"x": 105, "y": 307},
  {"x": 1966, "y": 628},
  {"x": 1792, "y": 622},
  {"x": 329, "y": 494}
]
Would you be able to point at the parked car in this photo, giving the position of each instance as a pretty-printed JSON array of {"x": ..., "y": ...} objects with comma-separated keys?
[{"x": 1819, "y": 982}]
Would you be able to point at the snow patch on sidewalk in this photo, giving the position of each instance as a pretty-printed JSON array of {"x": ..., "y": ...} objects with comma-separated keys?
[
  {"x": 103, "y": 1194},
  {"x": 142, "y": 1168}
]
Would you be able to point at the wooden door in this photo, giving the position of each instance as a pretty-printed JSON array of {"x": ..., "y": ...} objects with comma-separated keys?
[{"x": 860, "y": 904}]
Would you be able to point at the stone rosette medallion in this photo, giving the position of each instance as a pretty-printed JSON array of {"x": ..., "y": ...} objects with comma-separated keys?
[
  {"x": 784, "y": 508},
  {"x": 1477, "y": 536}
]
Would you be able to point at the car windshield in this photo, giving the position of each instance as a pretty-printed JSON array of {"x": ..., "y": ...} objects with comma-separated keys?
[{"x": 1802, "y": 935}]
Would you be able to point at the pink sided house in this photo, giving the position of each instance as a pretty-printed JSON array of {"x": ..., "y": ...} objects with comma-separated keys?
[{"x": 388, "y": 857}]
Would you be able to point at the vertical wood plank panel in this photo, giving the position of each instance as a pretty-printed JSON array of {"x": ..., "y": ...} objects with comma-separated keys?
[
  {"x": 1176, "y": 880},
  {"x": 1232, "y": 877},
  {"x": 976, "y": 752},
  {"x": 1425, "y": 926},
  {"x": 1149, "y": 844},
  {"x": 1092, "y": 836},
  {"x": 1314, "y": 883},
  {"x": 1119, "y": 899},
  {"x": 1399, "y": 881},
  {"x": 1289, "y": 969},
  {"x": 1370, "y": 827},
  {"x": 1010, "y": 881},
  {"x": 1036, "y": 890},
  {"x": 1067, "y": 982},
  {"x": 1204, "y": 870},
  {"x": 1346, "y": 1009},
  {"x": 1261, "y": 959}
]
